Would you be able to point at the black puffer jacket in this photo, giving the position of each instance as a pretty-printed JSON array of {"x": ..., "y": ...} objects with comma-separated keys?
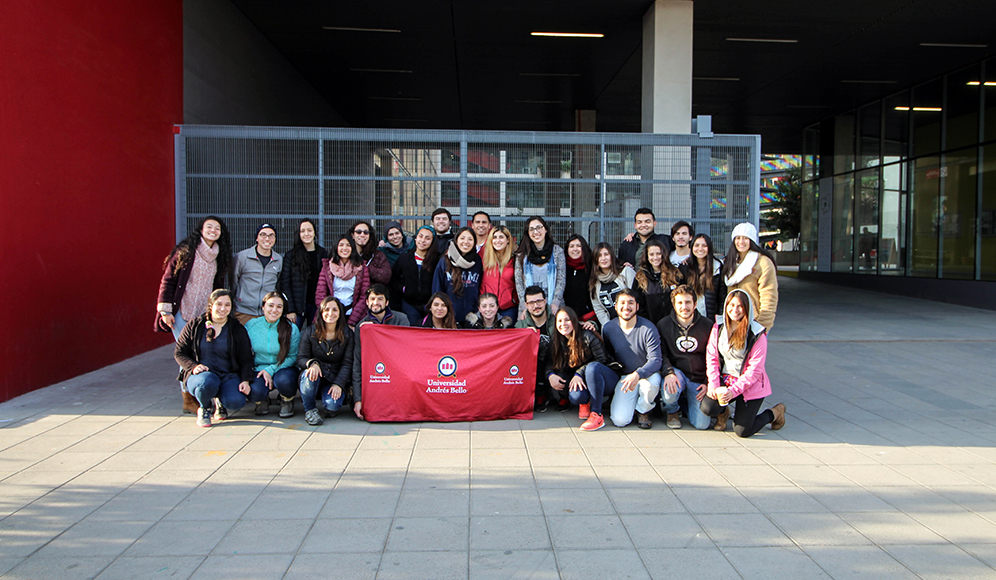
[
  {"x": 412, "y": 283},
  {"x": 335, "y": 358},
  {"x": 294, "y": 280}
]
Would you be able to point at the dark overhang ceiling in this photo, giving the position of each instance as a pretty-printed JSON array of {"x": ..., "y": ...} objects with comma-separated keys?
[{"x": 473, "y": 65}]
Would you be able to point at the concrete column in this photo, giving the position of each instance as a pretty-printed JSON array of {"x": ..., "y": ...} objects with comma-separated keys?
[{"x": 667, "y": 67}]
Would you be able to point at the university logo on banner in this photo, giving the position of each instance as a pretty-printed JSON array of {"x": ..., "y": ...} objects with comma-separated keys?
[{"x": 421, "y": 374}]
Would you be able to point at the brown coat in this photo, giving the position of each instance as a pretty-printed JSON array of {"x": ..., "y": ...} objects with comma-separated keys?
[{"x": 762, "y": 285}]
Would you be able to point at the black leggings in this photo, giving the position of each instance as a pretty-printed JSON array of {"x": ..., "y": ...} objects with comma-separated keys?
[{"x": 746, "y": 421}]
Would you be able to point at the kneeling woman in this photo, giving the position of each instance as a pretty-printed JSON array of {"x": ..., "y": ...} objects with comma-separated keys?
[
  {"x": 578, "y": 363},
  {"x": 735, "y": 368},
  {"x": 326, "y": 359},
  {"x": 216, "y": 356},
  {"x": 440, "y": 312},
  {"x": 275, "y": 341}
]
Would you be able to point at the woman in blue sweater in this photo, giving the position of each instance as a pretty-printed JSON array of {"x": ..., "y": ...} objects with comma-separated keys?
[
  {"x": 275, "y": 342},
  {"x": 459, "y": 272}
]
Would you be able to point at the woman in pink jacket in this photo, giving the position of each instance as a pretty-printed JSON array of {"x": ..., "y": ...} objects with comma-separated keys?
[{"x": 735, "y": 369}]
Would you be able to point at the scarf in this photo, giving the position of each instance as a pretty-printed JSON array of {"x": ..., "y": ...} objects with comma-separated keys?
[
  {"x": 344, "y": 272},
  {"x": 744, "y": 269},
  {"x": 457, "y": 259},
  {"x": 201, "y": 281},
  {"x": 606, "y": 277},
  {"x": 542, "y": 256},
  {"x": 576, "y": 263}
]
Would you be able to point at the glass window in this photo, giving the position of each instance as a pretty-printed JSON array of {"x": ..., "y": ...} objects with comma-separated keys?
[
  {"x": 959, "y": 175},
  {"x": 989, "y": 94},
  {"x": 811, "y": 153},
  {"x": 925, "y": 217},
  {"x": 843, "y": 143},
  {"x": 808, "y": 226},
  {"x": 866, "y": 221},
  {"x": 892, "y": 242},
  {"x": 987, "y": 221},
  {"x": 843, "y": 223},
  {"x": 961, "y": 111},
  {"x": 895, "y": 142},
  {"x": 925, "y": 108},
  {"x": 869, "y": 131}
]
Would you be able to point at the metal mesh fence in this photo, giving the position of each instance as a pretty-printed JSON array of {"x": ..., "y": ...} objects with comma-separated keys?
[{"x": 588, "y": 183}]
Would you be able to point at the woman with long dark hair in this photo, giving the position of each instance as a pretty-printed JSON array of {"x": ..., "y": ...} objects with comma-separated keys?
[
  {"x": 735, "y": 360},
  {"x": 458, "y": 273},
  {"x": 373, "y": 259},
  {"x": 440, "y": 313},
  {"x": 488, "y": 316},
  {"x": 499, "y": 270},
  {"x": 275, "y": 343},
  {"x": 704, "y": 273},
  {"x": 346, "y": 277},
  {"x": 200, "y": 263},
  {"x": 325, "y": 358},
  {"x": 655, "y": 280},
  {"x": 751, "y": 268},
  {"x": 299, "y": 276},
  {"x": 413, "y": 274},
  {"x": 578, "y": 364},
  {"x": 540, "y": 262},
  {"x": 606, "y": 280},
  {"x": 215, "y": 357},
  {"x": 576, "y": 292}
]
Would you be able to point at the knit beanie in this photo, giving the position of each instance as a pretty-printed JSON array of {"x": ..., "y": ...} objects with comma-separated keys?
[{"x": 745, "y": 229}]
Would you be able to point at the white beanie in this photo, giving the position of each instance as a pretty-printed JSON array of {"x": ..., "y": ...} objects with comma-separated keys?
[{"x": 745, "y": 229}]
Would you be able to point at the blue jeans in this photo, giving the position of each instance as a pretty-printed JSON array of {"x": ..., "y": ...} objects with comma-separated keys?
[
  {"x": 310, "y": 389},
  {"x": 639, "y": 399},
  {"x": 284, "y": 381},
  {"x": 512, "y": 313},
  {"x": 178, "y": 324},
  {"x": 696, "y": 417},
  {"x": 599, "y": 379},
  {"x": 207, "y": 385}
]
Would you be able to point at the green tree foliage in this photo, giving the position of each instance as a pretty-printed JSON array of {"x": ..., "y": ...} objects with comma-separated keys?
[{"x": 785, "y": 213}]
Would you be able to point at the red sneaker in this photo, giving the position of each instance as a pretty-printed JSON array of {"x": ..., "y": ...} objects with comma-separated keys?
[
  {"x": 593, "y": 423},
  {"x": 584, "y": 410}
]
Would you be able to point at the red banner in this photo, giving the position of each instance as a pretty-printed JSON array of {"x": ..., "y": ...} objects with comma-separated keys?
[{"x": 422, "y": 374}]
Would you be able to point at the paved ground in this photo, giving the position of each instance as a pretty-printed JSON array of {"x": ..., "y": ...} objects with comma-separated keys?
[{"x": 885, "y": 469}]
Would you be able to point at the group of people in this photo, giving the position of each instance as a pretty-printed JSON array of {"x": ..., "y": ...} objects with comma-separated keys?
[{"x": 661, "y": 318}]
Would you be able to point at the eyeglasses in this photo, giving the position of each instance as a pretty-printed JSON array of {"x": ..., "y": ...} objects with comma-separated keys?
[
  {"x": 262, "y": 235},
  {"x": 535, "y": 302},
  {"x": 536, "y": 229},
  {"x": 362, "y": 232}
]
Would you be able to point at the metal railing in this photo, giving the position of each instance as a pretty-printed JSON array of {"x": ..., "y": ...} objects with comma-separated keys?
[{"x": 589, "y": 183}]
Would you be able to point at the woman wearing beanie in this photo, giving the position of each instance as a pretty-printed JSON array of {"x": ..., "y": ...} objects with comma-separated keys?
[
  {"x": 459, "y": 272},
  {"x": 750, "y": 268},
  {"x": 395, "y": 242}
]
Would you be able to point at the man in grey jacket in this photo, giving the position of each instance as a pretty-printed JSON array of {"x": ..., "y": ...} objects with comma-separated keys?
[{"x": 257, "y": 271}]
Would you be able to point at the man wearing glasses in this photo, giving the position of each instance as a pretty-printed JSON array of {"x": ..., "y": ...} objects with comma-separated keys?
[
  {"x": 540, "y": 318},
  {"x": 257, "y": 270}
]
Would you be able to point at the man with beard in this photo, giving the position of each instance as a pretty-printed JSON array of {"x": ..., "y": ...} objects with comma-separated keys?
[
  {"x": 635, "y": 343},
  {"x": 377, "y": 313},
  {"x": 684, "y": 337}
]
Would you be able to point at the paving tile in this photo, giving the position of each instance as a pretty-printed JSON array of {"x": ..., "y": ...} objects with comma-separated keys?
[
  {"x": 641, "y": 476},
  {"x": 632, "y": 500},
  {"x": 497, "y": 440},
  {"x": 428, "y": 478},
  {"x": 666, "y": 531},
  {"x": 362, "y": 566},
  {"x": 578, "y": 564},
  {"x": 713, "y": 500},
  {"x": 241, "y": 566},
  {"x": 316, "y": 479},
  {"x": 8, "y": 563},
  {"x": 347, "y": 535},
  {"x": 38, "y": 567},
  {"x": 544, "y": 457},
  {"x": 154, "y": 567},
  {"x": 858, "y": 562},
  {"x": 959, "y": 527},
  {"x": 499, "y": 457},
  {"x": 698, "y": 563},
  {"x": 752, "y": 530},
  {"x": 781, "y": 500},
  {"x": 381, "y": 458},
  {"x": 21, "y": 536},
  {"x": 819, "y": 529},
  {"x": 428, "y": 534},
  {"x": 211, "y": 505},
  {"x": 371, "y": 479},
  {"x": 691, "y": 475},
  {"x": 287, "y": 505},
  {"x": 443, "y": 440},
  {"x": 141, "y": 503},
  {"x": 435, "y": 457},
  {"x": 603, "y": 456},
  {"x": 274, "y": 536},
  {"x": 853, "y": 499},
  {"x": 752, "y": 475},
  {"x": 509, "y": 533},
  {"x": 509, "y": 564},
  {"x": 444, "y": 565},
  {"x": 510, "y": 477},
  {"x": 434, "y": 503},
  {"x": 565, "y": 477},
  {"x": 244, "y": 460},
  {"x": 346, "y": 503},
  {"x": 945, "y": 562},
  {"x": 606, "y": 532},
  {"x": 575, "y": 502},
  {"x": 95, "y": 538},
  {"x": 673, "y": 456},
  {"x": 815, "y": 476},
  {"x": 504, "y": 502},
  {"x": 176, "y": 538},
  {"x": 766, "y": 563}
]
